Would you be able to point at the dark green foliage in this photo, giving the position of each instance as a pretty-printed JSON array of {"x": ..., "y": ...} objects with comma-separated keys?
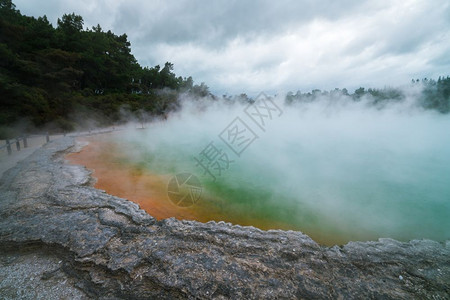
[
  {"x": 51, "y": 75},
  {"x": 436, "y": 94}
]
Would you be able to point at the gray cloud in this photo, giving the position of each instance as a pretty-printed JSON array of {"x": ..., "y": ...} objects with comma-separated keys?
[
  {"x": 249, "y": 46},
  {"x": 214, "y": 23}
]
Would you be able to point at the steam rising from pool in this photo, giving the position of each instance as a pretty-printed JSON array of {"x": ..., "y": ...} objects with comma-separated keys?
[{"x": 337, "y": 171}]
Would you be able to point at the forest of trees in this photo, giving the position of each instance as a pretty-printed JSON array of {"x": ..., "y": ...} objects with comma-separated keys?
[
  {"x": 434, "y": 94},
  {"x": 50, "y": 77}
]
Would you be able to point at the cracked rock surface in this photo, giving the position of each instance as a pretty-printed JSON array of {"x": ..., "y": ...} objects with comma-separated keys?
[{"x": 60, "y": 238}]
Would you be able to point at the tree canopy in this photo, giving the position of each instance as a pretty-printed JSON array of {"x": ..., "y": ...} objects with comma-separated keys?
[{"x": 48, "y": 75}]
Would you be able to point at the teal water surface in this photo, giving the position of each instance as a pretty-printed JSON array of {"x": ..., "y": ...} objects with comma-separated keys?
[{"x": 352, "y": 175}]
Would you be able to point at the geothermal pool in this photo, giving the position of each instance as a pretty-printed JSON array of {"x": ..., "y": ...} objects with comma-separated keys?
[{"x": 337, "y": 172}]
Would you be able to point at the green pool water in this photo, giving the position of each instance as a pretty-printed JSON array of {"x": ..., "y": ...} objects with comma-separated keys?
[{"x": 352, "y": 175}]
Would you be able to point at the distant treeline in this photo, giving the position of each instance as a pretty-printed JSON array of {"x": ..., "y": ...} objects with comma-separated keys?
[
  {"x": 60, "y": 75},
  {"x": 433, "y": 94}
]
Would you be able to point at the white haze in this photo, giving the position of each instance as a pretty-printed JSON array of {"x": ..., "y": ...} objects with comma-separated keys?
[{"x": 344, "y": 168}]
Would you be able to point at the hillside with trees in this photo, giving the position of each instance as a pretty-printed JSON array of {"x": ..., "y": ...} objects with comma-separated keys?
[{"x": 55, "y": 78}]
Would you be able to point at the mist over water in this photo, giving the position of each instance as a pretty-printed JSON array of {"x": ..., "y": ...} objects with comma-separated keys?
[{"x": 336, "y": 170}]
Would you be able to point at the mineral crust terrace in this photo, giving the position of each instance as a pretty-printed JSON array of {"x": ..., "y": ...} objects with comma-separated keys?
[{"x": 108, "y": 248}]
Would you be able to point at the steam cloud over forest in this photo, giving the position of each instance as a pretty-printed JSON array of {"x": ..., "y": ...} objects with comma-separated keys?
[{"x": 68, "y": 78}]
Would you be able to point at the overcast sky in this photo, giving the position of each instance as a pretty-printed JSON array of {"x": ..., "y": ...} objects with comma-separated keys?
[{"x": 276, "y": 46}]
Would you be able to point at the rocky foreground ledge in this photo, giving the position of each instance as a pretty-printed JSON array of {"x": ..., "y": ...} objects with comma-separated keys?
[{"x": 78, "y": 242}]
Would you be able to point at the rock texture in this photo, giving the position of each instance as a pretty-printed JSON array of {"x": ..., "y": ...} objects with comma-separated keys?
[{"x": 104, "y": 247}]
